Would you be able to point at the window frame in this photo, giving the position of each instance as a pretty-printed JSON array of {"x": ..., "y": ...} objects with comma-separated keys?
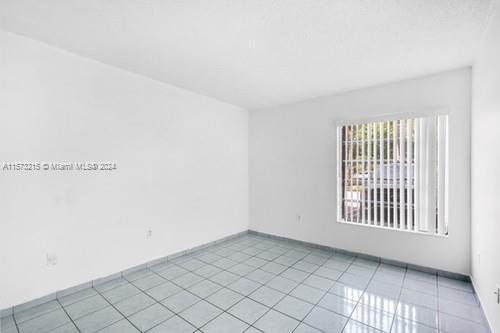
[{"x": 396, "y": 116}]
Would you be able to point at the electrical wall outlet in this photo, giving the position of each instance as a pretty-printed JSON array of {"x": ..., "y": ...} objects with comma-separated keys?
[
  {"x": 51, "y": 259},
  {"x": 299, "y": 218},
  {"x": 150, "y": 233}
]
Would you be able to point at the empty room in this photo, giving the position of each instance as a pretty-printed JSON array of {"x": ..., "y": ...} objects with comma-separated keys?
[{"x": 227, "y": 166}]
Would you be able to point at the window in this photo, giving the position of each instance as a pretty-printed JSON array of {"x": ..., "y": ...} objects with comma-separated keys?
[{"x": 392, "y": 173}]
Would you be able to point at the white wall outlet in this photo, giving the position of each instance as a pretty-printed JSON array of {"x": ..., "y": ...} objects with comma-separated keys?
[
  {"x": 51, "y": 259},
  {"x": 150, "y": 233},
  {"x": 299, "y": 218}
]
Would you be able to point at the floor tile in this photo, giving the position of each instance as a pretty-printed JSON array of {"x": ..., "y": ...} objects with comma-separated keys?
[
  {"x": 66, "y": 328},
  {"x": 308, "y": 294},
  {"x": 353, "y": 326},
  {"x": 208, "y": 271},
  {"x": 98, "y": 320},
  {"x": 44, "y": 322},
  {"x": 36, "y": 311},
  {"x": 267, "y": 296},
  {"x": 120, "y": 293},
  {"x": 337, "y": 265},
  {"x": 319, "y": 282},
  {"x": 161, "y": 266},
  {"x": 378, "y": 301},
  {"x": 225, "y": 278},
  {"x": 225, "y": 298},
  {"x": 455, "y": 284},
  {"x": 260, "y": 276},
  {"x": 208, "y": 257},
  {"x": 173, "y": 325},
  {"x": 200, "y": 313},
  {"x": 244, "y": 286},
  {"x": 204, "y": 289},
  {"x": 357, "y": 281},
  {"x": 315, "y": 259},
  {"x": 173, "y": 272},
  {"x": 78, "y": 296},
  {"x": 326, "y": 321},
  {"x": 266, "y": 255},
  {"x": 224, "y": 263},
  {"x": 294, "y": 307},
  {"x": 361, "y": 271},
  {"x": 282, "y": 284},
  {"x": 452, "y": 324},
  {"x": 337, "y": 304},
  {"x": 123, "y": 326},
  {"x": 284, "y": 260},
  {"x": 248, "y": 310},
  {"x": 417, "y": 298},
  {"x": 159, "y": 293},
  {"x": 187, "y": 280},
  {"x": 328, "y": 273},
  {"x": 274, "y": 268},
  {"x": 295, "y": 274},
  {"x": 151, "y": 316},
  {"x": 7, "y": 322},
  {"x": 373, "y": 317},
  {"x": 322, "y": 288},
  {"x": 366, "y": 263},
  {"x": 149, "y": 282},
  {"x": 421, "y": 276},
  {"x": 419, "y": 314},
  {"x": 192, "y": 264},
  {"x": 343, "y": 257},
  {"x": 472, "y": 313},
  {"x": 346, "y": 291},
  {"x": 305, "y": 266},
  {"x": 134, "y": 304},
  {"x": 241, "y": 269},
  {"x": 420, "y": 286},
  {"x": 255, "y": 262},
  {"x": 86, "y": 306},
  {"x": 457, "y": 295},
  {"x": 108, "y": 285},
  {"x": 239, "y": 257},
  {"x": 402, "y": 325},
  {"x": 180, "y": 301},
  {"x": 225, "y": 323},
  {"x": 386, "y": 277},
  {"x": 304, "y": 328},
  {"x": 384, "y": 289},
  {"x": 275, "y": 322}
]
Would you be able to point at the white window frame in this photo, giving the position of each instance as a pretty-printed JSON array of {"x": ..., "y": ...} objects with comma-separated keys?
[{"x": 442, "y": 174}]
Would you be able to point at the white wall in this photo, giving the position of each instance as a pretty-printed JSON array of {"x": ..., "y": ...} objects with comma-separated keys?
[
  {"x": 292, "y": 170},
  {"x": 485, "y": 171},
  {"x": 182, "y": 169}
]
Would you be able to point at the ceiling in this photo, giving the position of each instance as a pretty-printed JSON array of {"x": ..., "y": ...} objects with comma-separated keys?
[{"x": 259, "y": 53}]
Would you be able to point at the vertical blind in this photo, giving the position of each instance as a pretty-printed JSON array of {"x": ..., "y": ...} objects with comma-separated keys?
[{"x": 393, "y": 174}]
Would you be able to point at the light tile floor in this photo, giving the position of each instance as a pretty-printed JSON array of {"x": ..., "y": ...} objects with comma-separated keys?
[{"x": 258, "y": 284}]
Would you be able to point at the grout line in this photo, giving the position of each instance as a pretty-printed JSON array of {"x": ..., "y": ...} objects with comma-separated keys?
[
  {"x": 111, "y": 304},
  {"x": 15, "y": 322},
  {"x": 67, "y": 314},
  {"x": 399, "y": 299}
]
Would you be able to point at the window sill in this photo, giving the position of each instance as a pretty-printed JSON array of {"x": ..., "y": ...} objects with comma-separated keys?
[{"x": 392, "y": 229}]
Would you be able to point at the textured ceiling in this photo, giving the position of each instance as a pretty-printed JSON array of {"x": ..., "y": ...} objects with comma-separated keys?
[{"x": 257, "y": 53}]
